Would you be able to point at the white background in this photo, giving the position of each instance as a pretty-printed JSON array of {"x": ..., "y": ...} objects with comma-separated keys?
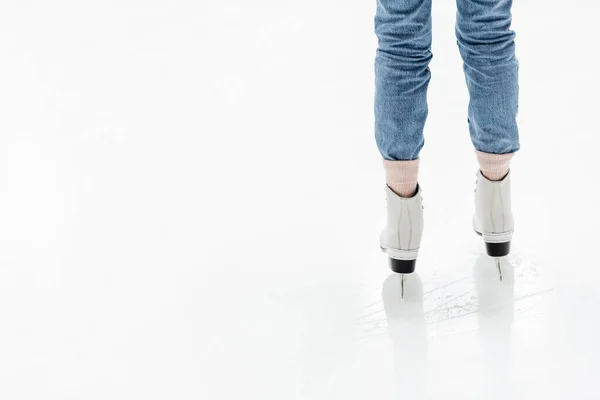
[{"x": 191, "y": 198}]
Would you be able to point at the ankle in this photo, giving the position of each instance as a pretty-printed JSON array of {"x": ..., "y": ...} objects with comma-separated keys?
[
  {"x": 494, "y": 166},
  {"x": 401, "y": 176}
]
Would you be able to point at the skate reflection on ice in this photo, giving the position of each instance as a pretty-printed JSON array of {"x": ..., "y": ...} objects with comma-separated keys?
[
  {"x": 495, "y": 318},
  {"x": 406, "y": 327}
]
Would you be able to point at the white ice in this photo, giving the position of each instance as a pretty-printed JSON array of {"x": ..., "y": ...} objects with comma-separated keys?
[{"x": 191, "y": 197}]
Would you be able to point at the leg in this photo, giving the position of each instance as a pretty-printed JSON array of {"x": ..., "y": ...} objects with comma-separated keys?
[
  {"x": 401, "y": 79},
  {"x": 402, "y": 75},
  {"x": 487, "y": 47}
]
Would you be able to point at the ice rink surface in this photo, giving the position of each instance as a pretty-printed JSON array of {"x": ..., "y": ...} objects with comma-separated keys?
[{"x": 191, "y": 198}]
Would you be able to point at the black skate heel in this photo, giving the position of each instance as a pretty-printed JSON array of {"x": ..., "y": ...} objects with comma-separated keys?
[
  {"x": 497, "y": 249},
  {"x": 402, "y": 266}
]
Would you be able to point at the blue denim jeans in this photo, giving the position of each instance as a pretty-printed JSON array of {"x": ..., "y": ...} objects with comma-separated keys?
[{"x": 486, "y": 44}]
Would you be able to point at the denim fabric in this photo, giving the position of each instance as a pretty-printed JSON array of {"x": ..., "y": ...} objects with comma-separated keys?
[{"x": 486, "y": 44}]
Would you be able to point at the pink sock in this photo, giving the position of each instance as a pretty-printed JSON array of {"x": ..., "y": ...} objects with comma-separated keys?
[
  {"x": 401, "y": 176},
  {"x": 494, "y": 166}
]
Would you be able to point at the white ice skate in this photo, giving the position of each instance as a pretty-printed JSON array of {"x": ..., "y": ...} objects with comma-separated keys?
[
  {"x": 401, "y": 237},
  {"x": 493, "y": 218}
]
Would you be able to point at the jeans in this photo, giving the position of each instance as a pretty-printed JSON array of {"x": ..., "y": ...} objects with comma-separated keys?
[{"x": 486, "y": 45}]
